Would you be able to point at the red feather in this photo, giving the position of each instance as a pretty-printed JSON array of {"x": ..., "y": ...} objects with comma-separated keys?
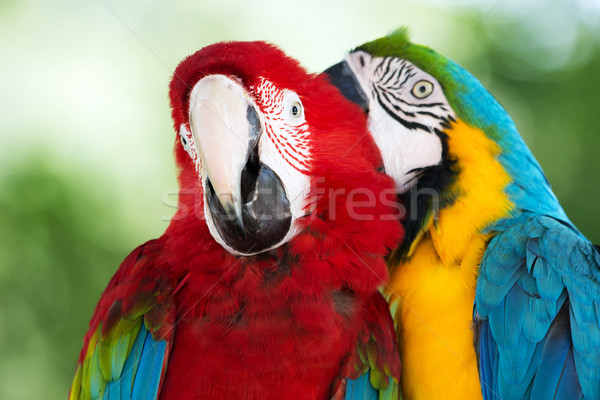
[{"x": 287, "y": 323}]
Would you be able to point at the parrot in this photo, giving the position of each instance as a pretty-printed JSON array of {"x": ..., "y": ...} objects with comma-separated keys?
[
  {"x": 266, "y": 283},
  {"x": 494, "y": 292}
]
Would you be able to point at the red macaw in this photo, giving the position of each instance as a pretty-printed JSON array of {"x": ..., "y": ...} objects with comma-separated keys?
[{"x": 265, "y": 284}]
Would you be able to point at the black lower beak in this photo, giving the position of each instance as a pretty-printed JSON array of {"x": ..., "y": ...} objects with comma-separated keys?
[
  {"x": 342, "y": 77},
  {"x": 266, "y": 216}
]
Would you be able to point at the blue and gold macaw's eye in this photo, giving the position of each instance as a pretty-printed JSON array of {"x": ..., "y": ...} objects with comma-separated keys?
[
  {"x": 296, "y": 110},
  {"x": 422, "y": 89}
]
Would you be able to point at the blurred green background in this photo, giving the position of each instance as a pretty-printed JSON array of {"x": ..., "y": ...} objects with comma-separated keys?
[{"x": 86, "y": 169}]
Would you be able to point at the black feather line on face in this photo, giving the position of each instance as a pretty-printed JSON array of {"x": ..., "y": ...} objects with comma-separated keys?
[
  {"x": 387, "y": 89},
  {"x": 418, "y": 201},
  {"x": 393, "y": 114}
]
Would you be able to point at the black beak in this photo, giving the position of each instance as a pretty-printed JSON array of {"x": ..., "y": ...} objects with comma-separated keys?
[
  {"x": 342, "y": 77},
  {"x": 265, "y": 216}
]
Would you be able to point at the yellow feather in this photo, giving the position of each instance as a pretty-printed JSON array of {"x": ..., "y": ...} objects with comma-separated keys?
[
  {"x": 86, "y": 378},
  {"x": 435, "y": 287},
  {"x": 76, "y": 385}
]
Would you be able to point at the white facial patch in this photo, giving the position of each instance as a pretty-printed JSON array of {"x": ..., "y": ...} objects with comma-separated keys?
[
  {"x": 407, "y": 113},
  {"x": 189, "y": 145},
  {"x": 404, "y": 152},
  {"x": 284, "y": 145}
]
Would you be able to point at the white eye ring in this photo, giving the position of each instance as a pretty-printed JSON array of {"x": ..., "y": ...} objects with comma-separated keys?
[
  {"x": 422, "y": 89},
  {"x": 296, "y": 110}
]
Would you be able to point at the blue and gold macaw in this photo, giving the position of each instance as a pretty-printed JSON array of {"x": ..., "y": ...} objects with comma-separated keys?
[{"x": 496, "y": 293}]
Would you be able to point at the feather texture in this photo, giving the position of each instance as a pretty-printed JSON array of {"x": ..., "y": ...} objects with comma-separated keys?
[
  {"x": 123, "y": 360},
  {"x": 498, "y": 244},
  {"x": 183, "y": 318},
  {"x": 360, "y": 389},
  {"x": 543, "y": 319}
]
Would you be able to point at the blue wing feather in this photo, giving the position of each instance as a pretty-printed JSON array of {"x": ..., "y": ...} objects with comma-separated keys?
[
  {"x": 360, "y": 388},
  {"x": 119, "y": 355},
  {"x": 538, "y": 296},
  {"x": 97, "y": 379},
  {"x": 142, "y": 370},
  {"x": 558, "y": 366},
  {"x": 147, "y": 379},
  {"x": 131, "y": 365},
  {"x": 120, "y": 360},
  {"x": 488, "y": 360}
]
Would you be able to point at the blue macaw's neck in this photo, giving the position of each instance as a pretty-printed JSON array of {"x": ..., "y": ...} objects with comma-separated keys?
[{"x": 529, "y": 190}]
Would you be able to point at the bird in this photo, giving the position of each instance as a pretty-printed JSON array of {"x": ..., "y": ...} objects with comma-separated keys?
[
  {"x": 264, "y": 285},
  {"x": 495, "y": 293}
]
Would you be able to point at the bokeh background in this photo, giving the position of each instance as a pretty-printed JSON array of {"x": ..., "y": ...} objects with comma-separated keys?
[{"x": 86, "y": 169}]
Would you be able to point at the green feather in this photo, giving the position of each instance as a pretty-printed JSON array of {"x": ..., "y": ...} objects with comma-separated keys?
[
  {"x": 398, "y": 44},
  {"x": 76, "y": 385},
  {"x": 124, "y": 326},
  {"x": 372, "y": 353},
  {"x": 394, "y": 303},
  {"x": 118, "y": 356},
  {"x": 362, "y": 355},
  {"x": 392, "y": 392},
  {"x": 114, "y": 352},
  {"x": 86, "y": 379},
  {"x": 143, "y": 303},
  {"x": 97, "y": 381},
  {"x": 375, "y": 378},
  {"x": 104, "y": 355},
  {"x": 134, "y": 332}
]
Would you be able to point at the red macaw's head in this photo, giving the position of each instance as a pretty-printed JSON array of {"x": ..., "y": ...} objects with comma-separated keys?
[{"x": 272, "y": 152}]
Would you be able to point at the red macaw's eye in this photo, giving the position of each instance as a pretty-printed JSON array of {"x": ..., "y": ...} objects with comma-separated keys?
[{"x": 296, "y": 110}]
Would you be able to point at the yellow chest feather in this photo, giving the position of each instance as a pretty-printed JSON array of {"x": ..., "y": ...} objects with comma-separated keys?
[
  {"x": 433, "y": 290},
  {"x": 435, "y": 320}
]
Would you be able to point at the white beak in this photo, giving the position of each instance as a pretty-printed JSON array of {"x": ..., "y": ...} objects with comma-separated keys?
[{"x": 224, "y": 140}]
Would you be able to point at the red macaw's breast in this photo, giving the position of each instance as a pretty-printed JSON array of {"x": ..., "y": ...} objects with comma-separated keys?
[{"x": 262, "y": 337}]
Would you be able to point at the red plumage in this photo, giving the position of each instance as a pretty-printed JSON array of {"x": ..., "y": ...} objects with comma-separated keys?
[{"x": 282, "y": 324}]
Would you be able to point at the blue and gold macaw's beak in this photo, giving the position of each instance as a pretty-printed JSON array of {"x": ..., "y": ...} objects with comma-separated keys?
[
  {"x": 246, "y": 206},
  {"x": 342, "y": 77}
]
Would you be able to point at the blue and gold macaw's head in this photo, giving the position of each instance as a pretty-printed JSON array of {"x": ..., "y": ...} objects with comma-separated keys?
[{"x": 443, "y": 137}]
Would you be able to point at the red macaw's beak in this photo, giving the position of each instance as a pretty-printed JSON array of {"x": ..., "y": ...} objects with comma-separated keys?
[{"x": 241, "y": 193}]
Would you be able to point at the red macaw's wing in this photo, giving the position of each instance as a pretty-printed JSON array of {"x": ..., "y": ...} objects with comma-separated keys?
[
  {"x": 126, "y": 349},
  {"x": 373, "y": 372}
]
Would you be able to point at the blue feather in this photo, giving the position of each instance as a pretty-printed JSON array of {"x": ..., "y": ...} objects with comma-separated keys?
[
  {"x": 556, "y": 377},
  {"x": 360, "y": 388},
  {"x": 147, "y": 378},
  {"x": 119, "y": 355},
  {"x": 488, "y": 361},
  {"x": 97, "y": 380},
  {"x": 142, "y": 370},
  {"x": 545, "y": 328},
  {"x": 121, "y": 388},
  {"x": 159, "y": 363},
  {"x": 529, "y": 189}
]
